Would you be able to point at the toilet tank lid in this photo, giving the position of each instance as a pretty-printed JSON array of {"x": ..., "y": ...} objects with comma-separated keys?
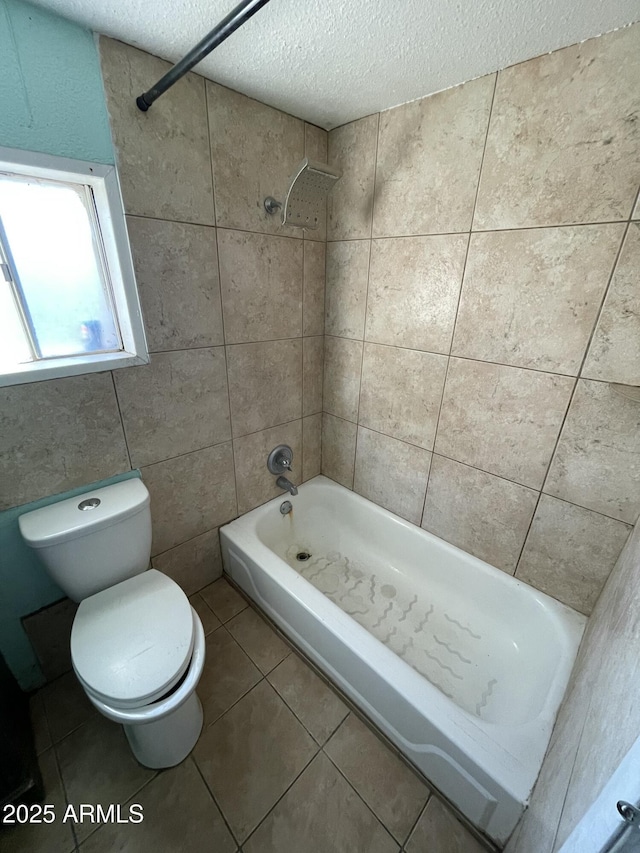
[{"x": 63, "y": 521}]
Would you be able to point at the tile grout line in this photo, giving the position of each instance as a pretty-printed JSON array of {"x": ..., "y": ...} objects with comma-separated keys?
[
  {"x": 218, "y": 444},
  {"x": 482, "y": 470},
  {"x": 227, "y": 345},
  {"x": 212, "y": 795},
  {"x": 435, "y": 434},
  {"x": 455, "y": 318},
  {"x": 464, "y": 358},
  {"x": 223, "y": 625},
  {"x": 324, "y": 336},
  {"x": 350, "y": 705},
  {"x": 207, "y": 607},
  {"x": 357, "y": 421},
  {"x": 473, "y": 212},
  {"x": 220, "y": 290},
  {"x": 303, "y": 279},
  {"x": 282, "y": 796},
  {"x": 366, "y": 804},
  {"x": 568, "y": 409},
  {"x": 603, "y": 299},
  {"x": 573, "y": 767},
  {"x": 191, "y": 539},
  {"x": 247, "y": 651},
  {"x": 230, "y": 344},
  {"x": 215, "y": 225},
  {"x": 218, "y": 346},
  {"x": 548, "y": 227},
  {"x": 301, "y": 418},
  {"x": 579, "y": 378},
  {"x": 75, "y": 728},
  {"x": 378, "y": 116},
  {"x": 484, "y": 151},
  {"x": 416, "y": 821},
  {"x": 366, "y": 299},
  {"x": 264, "y": 677},
  {"x": 184, "y": 349},
  {"x": 540, "y": 493},
  {"x": 188, "y": 453},
  {"x": 124, "y": 431},
  {"x": 293, "y": 650},
  {"x": 633, "y": 208},
  {"x": 211, "y": 170},
  {"x": 298, "y": 718},
  {"x": 154, "y": 776},
  {"x": 129, "y": 215},
  {"x": 320, "y": 749},
  {"x": 59, "y": 772},
  {"x": 452, "y": 459},
  {"x": 351, "y": 709}
]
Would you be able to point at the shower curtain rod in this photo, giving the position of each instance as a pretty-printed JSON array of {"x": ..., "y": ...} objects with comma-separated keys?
[{"x": 235, "y": 19}]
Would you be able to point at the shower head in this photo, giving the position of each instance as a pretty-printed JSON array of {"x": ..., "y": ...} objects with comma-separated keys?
[{"x": 309, "y": 188}]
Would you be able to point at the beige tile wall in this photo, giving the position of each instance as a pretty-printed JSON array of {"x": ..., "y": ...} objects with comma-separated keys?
[
  {"x": 482, "y": 292},
  {"x": 227, "y": 296},
  {"x": 599, "y": 718}
]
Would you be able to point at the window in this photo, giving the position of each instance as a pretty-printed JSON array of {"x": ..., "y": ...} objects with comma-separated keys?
[{"x": 68, "y": 300}]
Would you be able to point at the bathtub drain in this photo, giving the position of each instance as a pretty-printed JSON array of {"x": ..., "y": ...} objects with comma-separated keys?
[{"x": 303, "y": 556}]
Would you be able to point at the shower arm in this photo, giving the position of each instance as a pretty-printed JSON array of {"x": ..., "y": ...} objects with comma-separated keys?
[
  {"x": 271, "y": 205},
  {"x": 235, "y": 19}
]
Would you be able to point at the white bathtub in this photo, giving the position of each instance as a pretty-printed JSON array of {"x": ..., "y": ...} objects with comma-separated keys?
[{"x": 459, "y": 664}]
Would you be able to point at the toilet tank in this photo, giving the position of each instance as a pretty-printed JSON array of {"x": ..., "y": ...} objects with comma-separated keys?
[{"x": 95, "y": 540}]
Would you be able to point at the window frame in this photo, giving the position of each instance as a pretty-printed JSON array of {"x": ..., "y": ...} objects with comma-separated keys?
[{"x": 110, "y": 220}]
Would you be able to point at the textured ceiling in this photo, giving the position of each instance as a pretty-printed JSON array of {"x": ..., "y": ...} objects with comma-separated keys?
[{"x": 331, "y": 61}]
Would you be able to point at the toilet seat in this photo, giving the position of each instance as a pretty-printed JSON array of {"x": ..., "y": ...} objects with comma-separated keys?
[
  {"x": 133, "y": 642},
  {"x": 185, "y": 692}
]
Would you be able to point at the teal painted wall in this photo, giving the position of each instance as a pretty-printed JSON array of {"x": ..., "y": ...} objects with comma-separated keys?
[
  {"x": 25, "y": 586},
  {"x": 51, "y": 101},
  {"x": 51, "y": 93}
]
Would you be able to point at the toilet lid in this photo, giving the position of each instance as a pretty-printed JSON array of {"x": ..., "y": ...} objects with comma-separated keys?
[{"x": 131, "y": 643}]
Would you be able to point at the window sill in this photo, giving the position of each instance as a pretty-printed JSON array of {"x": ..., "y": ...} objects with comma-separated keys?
[{"x": 56, "y": 368}]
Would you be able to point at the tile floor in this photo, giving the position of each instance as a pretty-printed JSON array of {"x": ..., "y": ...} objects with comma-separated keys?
[{"x": 282, "y": 765}]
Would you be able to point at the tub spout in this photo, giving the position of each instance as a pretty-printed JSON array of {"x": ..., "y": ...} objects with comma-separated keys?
[{"x": 283, "y": 483}]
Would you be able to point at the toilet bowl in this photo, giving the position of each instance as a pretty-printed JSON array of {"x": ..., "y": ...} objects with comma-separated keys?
[
  {"x": 137, "y": 645},
  {"x": 138, "y": 651}
]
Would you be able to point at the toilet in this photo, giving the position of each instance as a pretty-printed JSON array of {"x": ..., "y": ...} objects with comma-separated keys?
[{"x": 137, "y": 645}]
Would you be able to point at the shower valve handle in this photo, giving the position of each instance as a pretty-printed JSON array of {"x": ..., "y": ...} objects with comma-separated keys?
[{"x": 280, "y": 459}]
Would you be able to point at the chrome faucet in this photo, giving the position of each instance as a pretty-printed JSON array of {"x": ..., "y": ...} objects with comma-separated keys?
[
  {"x": 283, "y": 483},
  {"x": 279, "y": 461}
]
